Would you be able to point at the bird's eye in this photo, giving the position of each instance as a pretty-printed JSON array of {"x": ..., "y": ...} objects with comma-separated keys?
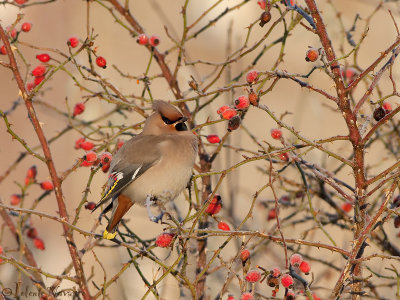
[
  {"x": 167, "y": 121},
  {"x": 181, "y": 127}
]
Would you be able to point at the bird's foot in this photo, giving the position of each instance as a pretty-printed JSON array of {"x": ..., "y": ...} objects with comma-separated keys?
[
  {"x": 149, "y": 202},
  {"x": 108, "y": 235}
]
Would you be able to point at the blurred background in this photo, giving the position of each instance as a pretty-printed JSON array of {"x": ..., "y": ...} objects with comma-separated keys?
[{"x": 311, "y": 114}]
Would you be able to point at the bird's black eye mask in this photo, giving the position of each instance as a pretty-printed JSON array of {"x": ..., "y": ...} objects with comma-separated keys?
[
  {"x": 179, "y": 123},
  {"x": 168, "y": 121}
]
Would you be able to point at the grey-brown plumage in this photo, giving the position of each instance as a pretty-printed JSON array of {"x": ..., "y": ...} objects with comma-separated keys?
[{"x": 156, "y": 164}]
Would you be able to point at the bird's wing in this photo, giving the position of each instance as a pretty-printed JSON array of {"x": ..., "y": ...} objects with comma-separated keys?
[{"x": 134, "y": 158}]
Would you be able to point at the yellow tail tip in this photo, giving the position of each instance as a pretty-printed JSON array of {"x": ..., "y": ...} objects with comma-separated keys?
[{"x": 108, "y": 235}]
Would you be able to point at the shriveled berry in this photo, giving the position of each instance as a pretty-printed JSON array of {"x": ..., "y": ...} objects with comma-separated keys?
[
  {"x": 15, "y": 199},
  {"x": 73, "y": 42},
  {"x": 246, "y": 296},
  {"x": 90, "y": 157},
  {"x": 78, "y": 143},
  {"x": 287, "y": 280},
  {"x": 213, "y": 138},
  {"x": 296, "y": 259},
  {"x": 222, "y": 109},
  {"x": 47, "y": 185},
  {"x": 387, "y": 107},
  {"x": 215, "y": 205},
  {"x": 290, "y": 296},
  {"x": 32, "y": 233},
  {"x": 223, "y": 226},
  {"x": 142, "y": 39},
  {"x": 40, "y": 70},
  {"x": 272, "y": 281},
  {"x": 396, "y": 201},
  {"x": 234, "y": 123},
  {"x": 39, "y": 244},
  {"x": 379, "y": 113},
  {"x": 284, "y": 156},
  {"x": 90, "y": 205},
  {"x": 276, "y": 133},
  {"x": 253, "y": 98},
  {"x": 87, "y": 145},
  {"x": 271, "y": 214},
  {"x": 30, "y": 86},
  {"x": 154, "y": 40},
  {"x": 253, "y": 276},
  {"x": 105, "y": 158},
  {"x": 284, "y": 200},
  {"x": 32, "y": 172},
  {"x": 3, "y": 50},
  {"x": 101, "y": 62},
  {"x": 26, "y": 27},
  {"x": 44, "y": 57},
  {"x": 79, "y": 108},
  {"x": 347, "y": 206},
  {"x": 396, "y": 222},
  {"x": 305, "y": 267},
  {"x": 312, "y": 55},
  {"x": 262, "y": 4},
  {"x": 38, "y": 80},
  {"x": 164, "y": 240},
  {"x": 244, "y": 255},
  {"x": 229, "y": 113},
  {"x": 265, "y": 18},
  {"x": 252, "y": 77},
  {"x": 242, "y": 102}
]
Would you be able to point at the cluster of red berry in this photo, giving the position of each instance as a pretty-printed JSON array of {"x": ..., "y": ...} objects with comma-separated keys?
[{"x": 144, "y": 40}]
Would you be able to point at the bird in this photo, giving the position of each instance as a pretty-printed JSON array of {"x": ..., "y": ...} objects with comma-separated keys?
[{"x": 154, "y": 166}]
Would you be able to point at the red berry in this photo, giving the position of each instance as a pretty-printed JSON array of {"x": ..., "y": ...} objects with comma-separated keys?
[
  {"x": 28, "y": 180},
  {"x": 1, "y": 252},
  {"x": 101, "y": 62},
  {"x": 244, "y": 255},
  {"x": 87, "y": 145},
  {"x": 252, "y": 77},
  {"x": 387, "y": 107},
  {"x": 305, "y": 267},
  {"x": 32, "y": 172},
  {"x": 30, "y": 86},
  {"x": 26, "y": 27},
  {"x": 39, "y": 70},
  {"x": 79, "y": 142},
  {"x": 213, "y": 138},
  {"x": 242, "y": 102},
  {"x": 105, "y": 168},
  {"x": 253, "y": 276},
  {"x": 20, "y": 2},
  {"x": 3, "y": 50},
  {"x": 286, "y": 280},
  {"x": 223, "y": 226},
  {"x": 12, "y": 32},
  {"x": 396, "y": 222},
  {"x": 164, "y": 240},
  {"x": 73, "y": 42},
  {"x": 90, "y": 157},
  {"x": 32, "y": 233},
  {"x": 276, "y": 272},
  {"x": 284, "y": 200},
  {"x": 284, "y": 156},
  {"x": 222, "y": 109},
  {"x": 350, "y": 74},
  {"x": 396, "y": 201},
  {"x": 262, "y": 4},
  {"x": 215, "y": 205},
  {"x": 79, "y": 108},
  {"x": 154, "y": 40},
  {"x": 38, "y": 80},
  {"x": 296, "y": 259},
  {"x": 120, "y": 144},
  {"x": 276, "y": 133},
  {"x": 86, "y": 164},
  {"x": 15, "y": 199},
  {"x": 44, "y": 57},
  {"x": 246, "y": 296},
  {"x": 253, "y": 98},
  {"x": 39, "y": 244},
  {"x": 142, "y": 39},
  {"x": 47, "y": 185},
  {"x": 231, "y": 298},
  {"x": 105, "y": 158},
  {"x": 347, "y": 206},
  {"x": 229, "y": 113},
  {"x": 315, "y": 297},
  {"x": 312, "y": 55},
  {"x": 271, "y": 214},
  {"x": 290, "y": 296},
  {"x": 90, "y": 205}
]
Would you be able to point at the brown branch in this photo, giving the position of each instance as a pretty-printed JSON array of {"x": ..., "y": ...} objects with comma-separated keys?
[{"x": 51, "y": 167}]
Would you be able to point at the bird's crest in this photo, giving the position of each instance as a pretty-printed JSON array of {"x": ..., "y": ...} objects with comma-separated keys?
[{"x": 167, "y": 110}]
